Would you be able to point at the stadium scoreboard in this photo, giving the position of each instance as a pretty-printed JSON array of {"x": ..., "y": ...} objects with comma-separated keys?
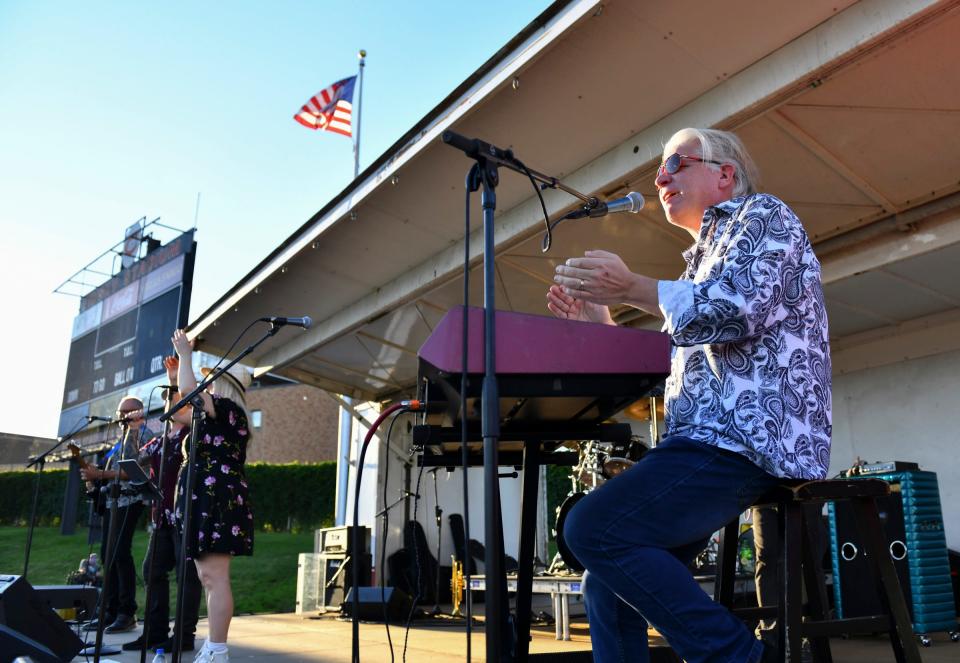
[{"x": 123, "y": 332}]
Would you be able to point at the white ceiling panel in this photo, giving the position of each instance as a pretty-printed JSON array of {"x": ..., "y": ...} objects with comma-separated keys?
[
  {"x": 891, "y": 299},
  {"x": 939, "y": 271}
]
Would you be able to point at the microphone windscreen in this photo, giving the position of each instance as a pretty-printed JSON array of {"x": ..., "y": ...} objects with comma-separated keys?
[{"x": 637, "y": 201}]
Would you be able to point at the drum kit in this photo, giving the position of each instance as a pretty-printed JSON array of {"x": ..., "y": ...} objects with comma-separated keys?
[{"x": 597, "y": 463}]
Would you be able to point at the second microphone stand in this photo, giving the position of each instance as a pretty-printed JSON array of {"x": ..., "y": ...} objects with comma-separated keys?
[
  {"x": 195, "y": 400},
  {"x": 438, "y": 513},
  {"x": 39, "y": 462},
  {"x": 152, "y": 552},
  {"x": 110, "y": 549}
]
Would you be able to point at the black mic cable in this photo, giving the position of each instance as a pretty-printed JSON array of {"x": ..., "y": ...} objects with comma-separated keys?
[
  {"x": 633, "y": 202},
  {"x": 410, "y": 406}
]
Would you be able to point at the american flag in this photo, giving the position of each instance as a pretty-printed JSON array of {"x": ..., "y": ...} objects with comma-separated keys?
[{"x": 330, "y": 109}]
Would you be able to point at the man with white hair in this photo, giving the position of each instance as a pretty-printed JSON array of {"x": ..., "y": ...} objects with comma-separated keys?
[{"x": 747, "y": 400}]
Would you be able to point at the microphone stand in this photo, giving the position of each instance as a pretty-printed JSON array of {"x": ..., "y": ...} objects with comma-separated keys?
[
  {"x": 152, "y": 552},
  {"x": 111, "y": 544},
  {"x": 438, "y": 513},
  {"x": 39, "y": 462},
  {"x": 194, "y": 399},
  {"x": 501, "y": 640},
  {"x": 404, "y": 495},
  {"x": 485, "y": 172}
]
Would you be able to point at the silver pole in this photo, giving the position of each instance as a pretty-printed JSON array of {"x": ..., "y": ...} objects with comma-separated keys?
[{"x": 356, "y": 143}]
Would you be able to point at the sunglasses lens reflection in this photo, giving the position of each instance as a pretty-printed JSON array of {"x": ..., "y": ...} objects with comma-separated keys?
[{"x": 672, "y": 164}]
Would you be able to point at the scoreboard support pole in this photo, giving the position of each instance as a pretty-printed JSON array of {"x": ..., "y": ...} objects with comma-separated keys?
[{"x": 71, "y": 500}]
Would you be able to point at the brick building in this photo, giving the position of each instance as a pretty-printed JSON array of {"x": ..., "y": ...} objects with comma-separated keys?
[
  {"x": 17, "y": 450},
  {"x": 291, "y": 422}
]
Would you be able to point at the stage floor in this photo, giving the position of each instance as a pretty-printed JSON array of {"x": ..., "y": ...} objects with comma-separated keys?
[{"x": 289, "y": 637}]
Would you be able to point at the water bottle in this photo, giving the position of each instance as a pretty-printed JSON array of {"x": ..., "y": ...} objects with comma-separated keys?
[
  {"x": 746, "y": 551},
  {"x": 160, "y": 657}
]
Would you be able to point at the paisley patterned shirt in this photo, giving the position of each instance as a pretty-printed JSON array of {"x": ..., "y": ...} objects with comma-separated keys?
[
  {"x": 131, "y": 443},
  {"x": 750, "y": 368}
]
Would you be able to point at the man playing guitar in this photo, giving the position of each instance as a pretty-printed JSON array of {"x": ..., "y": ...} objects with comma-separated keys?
[{"x": 121, "y": 605}]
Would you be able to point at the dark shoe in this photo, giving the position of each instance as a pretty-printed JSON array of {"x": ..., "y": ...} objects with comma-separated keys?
[
  {"x": 92, "y": 625},
  {"x": 122, "y": 623},
  {"x": 167, "y": 645},
  {"x": 136, "y": 645}
]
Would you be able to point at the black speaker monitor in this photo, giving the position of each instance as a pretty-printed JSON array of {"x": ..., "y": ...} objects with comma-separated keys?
[
  {"x": 14, "y": 645},
  {"x": 336, "y": 578},
  {"x": 860, "y": 595},
  {"x": 23, "y": 611},
  {"x": 374, "y": 601}
]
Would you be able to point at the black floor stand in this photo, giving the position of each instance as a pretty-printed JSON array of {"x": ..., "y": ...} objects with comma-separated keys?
[
  {"x": 506, "y": 637},
  {"x": 110, "y": 549},
  {"x": 194, "y": 399},
  {"x": 152, "y": 546},
  {"x": 39, "y": 462},
  {"x": 499, "y": 635},
  {"x": 438, "y": 513}
]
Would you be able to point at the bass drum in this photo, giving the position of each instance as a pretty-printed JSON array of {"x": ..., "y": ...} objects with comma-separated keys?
[{"x": 563, "y": 510}]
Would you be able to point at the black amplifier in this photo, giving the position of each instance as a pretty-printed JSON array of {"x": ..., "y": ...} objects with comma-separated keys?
[{"x": 340, "y": 540}]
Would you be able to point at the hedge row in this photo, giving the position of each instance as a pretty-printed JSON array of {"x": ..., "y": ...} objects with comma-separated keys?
[
  {"x": 16, "y": 497},
  {"x": 285, "y": 497},
  {"x": 293, "y": 496}
]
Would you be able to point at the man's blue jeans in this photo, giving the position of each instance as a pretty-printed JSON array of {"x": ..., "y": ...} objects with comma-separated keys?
[{"x": 637, "y": 533}]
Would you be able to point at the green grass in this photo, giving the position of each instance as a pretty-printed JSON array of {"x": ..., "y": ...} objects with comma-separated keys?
[{"x": 266, "y": 582}]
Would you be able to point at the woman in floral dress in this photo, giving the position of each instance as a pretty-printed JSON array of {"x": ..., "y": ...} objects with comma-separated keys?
[{"x": 222, "y": 521}]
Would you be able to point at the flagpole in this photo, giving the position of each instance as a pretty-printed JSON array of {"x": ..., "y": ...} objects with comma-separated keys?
[{"x": 356, "y": 144}]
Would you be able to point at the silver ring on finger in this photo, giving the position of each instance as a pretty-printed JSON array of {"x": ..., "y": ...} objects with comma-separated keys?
[{"x": 581, "y": 284}]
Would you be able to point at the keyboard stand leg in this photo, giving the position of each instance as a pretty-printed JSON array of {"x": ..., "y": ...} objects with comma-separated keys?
[{"x": 528, "y": 530}]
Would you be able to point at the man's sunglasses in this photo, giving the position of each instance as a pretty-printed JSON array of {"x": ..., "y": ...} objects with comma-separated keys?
[{"x": 674, "y": 163}]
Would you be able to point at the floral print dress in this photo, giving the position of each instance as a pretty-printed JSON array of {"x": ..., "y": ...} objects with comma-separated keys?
[{"x": 221, "y": 513}]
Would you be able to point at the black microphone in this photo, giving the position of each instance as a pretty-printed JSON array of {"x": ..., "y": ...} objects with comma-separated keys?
[
  {"x": 476, "y": 148},
  {"x": 90, "y": 417},
  {"x": 633, "y": 202},
  {"x": 304, "y": 322}
]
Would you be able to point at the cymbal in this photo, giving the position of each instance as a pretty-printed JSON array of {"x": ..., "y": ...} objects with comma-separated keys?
[
  {"x": 615, "y": 465},
  {"x": 640, "y": 409}
]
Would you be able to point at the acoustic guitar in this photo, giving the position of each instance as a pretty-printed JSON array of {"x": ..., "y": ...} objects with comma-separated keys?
[{"x": 94, "y": 494}]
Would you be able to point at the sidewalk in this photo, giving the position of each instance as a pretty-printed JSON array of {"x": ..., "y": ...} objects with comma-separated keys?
[{"x": 289, "y": 637}]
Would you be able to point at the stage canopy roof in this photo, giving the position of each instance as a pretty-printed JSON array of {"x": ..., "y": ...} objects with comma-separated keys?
[{"x": 851, "y": 109}]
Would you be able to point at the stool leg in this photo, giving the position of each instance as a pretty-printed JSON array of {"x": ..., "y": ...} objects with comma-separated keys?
[
  {"x": 726, "y": 564},
  {"x": 791, "y": 610},
  {"x": 891, "y": 596},
  {"x": 814, "y": 580}
]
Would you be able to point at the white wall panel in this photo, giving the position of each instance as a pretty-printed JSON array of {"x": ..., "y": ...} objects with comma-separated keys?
[{"x": 905, "y": 411}]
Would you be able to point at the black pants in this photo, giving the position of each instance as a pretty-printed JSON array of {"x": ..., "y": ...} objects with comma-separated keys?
[
  {"x": 167, "y": 553},
  {"x": 122, "y": 592},
  {"x": 766, "y": 539}
]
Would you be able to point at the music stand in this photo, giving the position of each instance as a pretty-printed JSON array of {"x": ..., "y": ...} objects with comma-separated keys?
[{"x": 139, "y": 479}]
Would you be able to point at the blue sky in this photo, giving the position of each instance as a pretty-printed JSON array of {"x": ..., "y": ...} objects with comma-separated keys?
[{"x": 112, "y": 111}]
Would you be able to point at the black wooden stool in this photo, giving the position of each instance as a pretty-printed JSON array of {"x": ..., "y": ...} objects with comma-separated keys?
[{"x": 799, "y": 504}]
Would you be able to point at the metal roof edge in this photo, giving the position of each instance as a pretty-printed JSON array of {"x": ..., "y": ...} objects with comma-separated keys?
[{"x": 411, "y": 137}]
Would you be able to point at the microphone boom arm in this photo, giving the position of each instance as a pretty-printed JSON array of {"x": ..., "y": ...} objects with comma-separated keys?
[{"x": 474, "y": 147}]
